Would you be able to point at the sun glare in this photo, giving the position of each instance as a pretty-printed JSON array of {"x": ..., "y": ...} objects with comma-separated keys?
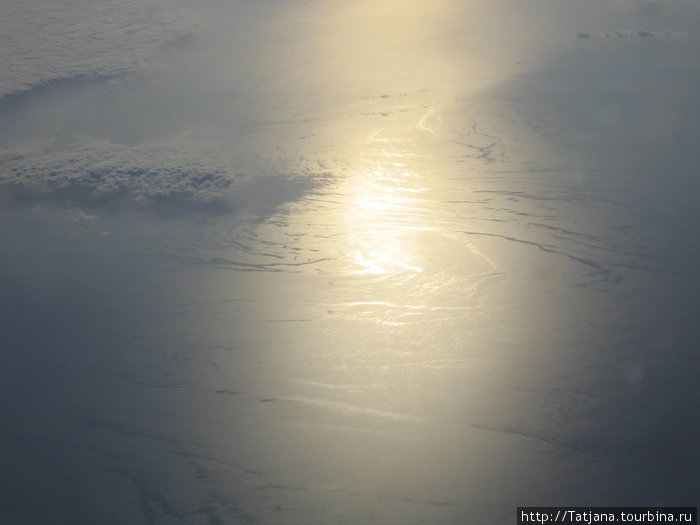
[{"x": 386, "y": 210}]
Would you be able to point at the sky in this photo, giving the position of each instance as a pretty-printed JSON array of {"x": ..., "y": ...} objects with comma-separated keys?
[{"x": 320, "y": 261}]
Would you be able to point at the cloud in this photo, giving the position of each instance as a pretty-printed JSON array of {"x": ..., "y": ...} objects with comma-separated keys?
[
  {"x": 149, "y": 133},
  {"x": 47, "y": 40},
  {"x": 99, "y": 172},
  {"x": 171, "y": 177}
]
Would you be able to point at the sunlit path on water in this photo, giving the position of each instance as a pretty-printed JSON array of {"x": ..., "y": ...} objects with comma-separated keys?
[
  {"x": 386, "y": 336},
  {"x": 425, "y": 326}
]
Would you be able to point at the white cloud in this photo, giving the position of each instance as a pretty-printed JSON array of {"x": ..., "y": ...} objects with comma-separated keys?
[
  {"x": 99, "y": 171},
  {"x": 175, "y": 176},
  {"x": 169, "y": 140},
  {"x": 47, "y": 40}
]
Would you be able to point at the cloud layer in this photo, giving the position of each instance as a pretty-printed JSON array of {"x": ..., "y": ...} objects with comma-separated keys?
[
  {"x": 43, "y": 41},
  {"x": 102, "y": 172},
  {"x": 114, "y": 143}
]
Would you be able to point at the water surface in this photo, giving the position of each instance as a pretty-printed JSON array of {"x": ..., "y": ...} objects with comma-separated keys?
[{"x": 357, "y": 275}]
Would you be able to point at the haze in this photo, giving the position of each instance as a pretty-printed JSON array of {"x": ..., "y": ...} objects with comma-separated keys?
[{"x": 347, "y": 262}]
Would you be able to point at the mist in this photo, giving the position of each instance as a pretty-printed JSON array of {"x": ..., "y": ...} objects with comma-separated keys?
[{"x": 329, "y": 262}]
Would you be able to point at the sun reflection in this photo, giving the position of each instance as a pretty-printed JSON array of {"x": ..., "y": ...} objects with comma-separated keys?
[
  {"x": 381, "y": 262},
  {"x": 385, "y": 210}
]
